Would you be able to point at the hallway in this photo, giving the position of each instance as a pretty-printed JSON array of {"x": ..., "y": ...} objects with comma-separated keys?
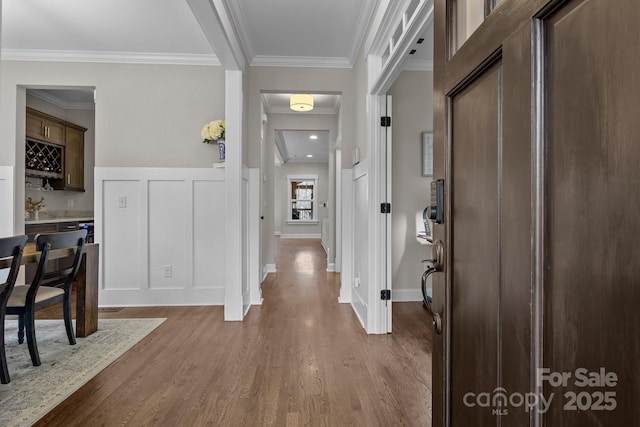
[{"x": 299, "y": 359}]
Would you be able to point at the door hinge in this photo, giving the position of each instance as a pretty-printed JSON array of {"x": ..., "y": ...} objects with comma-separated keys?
[
  {"x": 385, "y": 295},
  {"x": 385, "y": 208},
  {"x": 385, "y": 121}
]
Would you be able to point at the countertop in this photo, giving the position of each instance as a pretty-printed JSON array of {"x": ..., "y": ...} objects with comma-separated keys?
[{"x": 58, "y": 220}]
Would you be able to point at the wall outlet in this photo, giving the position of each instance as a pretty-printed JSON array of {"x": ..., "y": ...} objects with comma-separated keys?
[
  {"x": 356, "y": 282},
  {"x": 122, "y": 201},
  {"x": 69, "y": 203},
  {"x": 167, "y": 271}
]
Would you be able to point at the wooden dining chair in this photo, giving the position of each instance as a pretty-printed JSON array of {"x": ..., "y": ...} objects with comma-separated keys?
[
  {"x": 48, "y": 287},
  {"x": 10, "y": 247}
]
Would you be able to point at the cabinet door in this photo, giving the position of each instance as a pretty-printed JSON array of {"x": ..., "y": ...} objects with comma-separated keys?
[
  {"x": 45, "y": 129},
  {"x": 74, "y": 160},
  {"x": 54, "y": 132},
  {"x": 35, "y": 126}
]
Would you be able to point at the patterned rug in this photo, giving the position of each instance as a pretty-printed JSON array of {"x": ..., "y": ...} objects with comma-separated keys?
[{"x": 35, "y": 390}]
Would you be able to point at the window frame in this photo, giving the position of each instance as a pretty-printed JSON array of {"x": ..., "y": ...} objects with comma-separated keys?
[{"x": 313, "y": 200}]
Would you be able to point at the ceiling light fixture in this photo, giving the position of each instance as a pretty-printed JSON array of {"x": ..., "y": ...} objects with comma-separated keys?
[
  {"x": 301, "y": 102},
  {"x": 313, "y": 136},
  {"x": 309, "y": 155}
]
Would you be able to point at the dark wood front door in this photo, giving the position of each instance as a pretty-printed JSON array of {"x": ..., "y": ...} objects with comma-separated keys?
[{"x": 537, "y": 137}]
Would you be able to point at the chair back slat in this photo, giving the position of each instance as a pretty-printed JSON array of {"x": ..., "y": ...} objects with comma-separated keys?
[
  {"x": 11, "y": 247},
  {"x": 52, "y": 241}
]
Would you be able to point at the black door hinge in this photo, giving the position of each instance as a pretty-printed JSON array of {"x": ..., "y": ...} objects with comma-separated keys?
[
  {"x": 385, "y": 295},
  {"x": 385, "y": 121},
  {"x": 385, "y": 208}
]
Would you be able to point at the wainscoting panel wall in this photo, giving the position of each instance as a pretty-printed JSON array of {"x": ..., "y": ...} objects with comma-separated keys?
[
  {"x": 168, "y": 228},
  {"x": 162, "y": 236},
  {"x": 6, "y": 201},
  {"x": 360, "y": 290}
]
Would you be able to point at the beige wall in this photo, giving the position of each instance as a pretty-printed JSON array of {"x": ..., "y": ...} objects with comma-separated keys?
[
  {"x": 412, "y": 114},
  {"x": 146, "y": 115},
  {"x": 281, "y": 196}
]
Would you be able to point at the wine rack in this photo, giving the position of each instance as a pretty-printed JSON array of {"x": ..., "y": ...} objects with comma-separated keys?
[{"x": 43, "y": 159}]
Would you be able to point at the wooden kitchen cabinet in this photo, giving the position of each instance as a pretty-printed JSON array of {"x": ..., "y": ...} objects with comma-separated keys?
[
  {"x": 62, "y": 143},
  {"x": 44, "y": 127},
  {"x": 73, "y": 161}
]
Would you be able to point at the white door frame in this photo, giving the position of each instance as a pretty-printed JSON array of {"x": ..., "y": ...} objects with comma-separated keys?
[{"x": 381, "y": 75}]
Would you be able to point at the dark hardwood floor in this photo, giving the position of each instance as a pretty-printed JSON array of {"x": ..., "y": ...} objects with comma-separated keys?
[{"x": 300, "y": 359}]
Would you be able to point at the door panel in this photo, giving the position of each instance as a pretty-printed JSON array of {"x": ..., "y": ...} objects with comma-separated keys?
[
  {"x": 592, "y": 282},
  {"x": 475, "y": 253},
  {"x": 516, "y": 225},
  {"x": 540, "y": 154}
]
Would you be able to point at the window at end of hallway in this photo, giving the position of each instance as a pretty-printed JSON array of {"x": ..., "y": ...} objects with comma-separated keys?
[{"x": 301, "y": 190}]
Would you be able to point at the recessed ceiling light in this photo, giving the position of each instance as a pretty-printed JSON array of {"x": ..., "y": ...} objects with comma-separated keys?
[
  {"x": 313, "y": 136},
  {"x": 309, "y": 155}
]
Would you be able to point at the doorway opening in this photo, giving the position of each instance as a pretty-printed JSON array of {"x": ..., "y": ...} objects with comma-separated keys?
[
  {"x": 298, "y": 167},
  {"x": 58, "y": 146}
]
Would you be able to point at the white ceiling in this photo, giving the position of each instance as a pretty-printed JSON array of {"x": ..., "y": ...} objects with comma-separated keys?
[
  {"x": 301, "y": 32},
  {"x": 299, "y": 146},
  {"x": 278, "y": 103},
  {"x": 104, "y": 30},
  {"x": 316, "y": 33}
]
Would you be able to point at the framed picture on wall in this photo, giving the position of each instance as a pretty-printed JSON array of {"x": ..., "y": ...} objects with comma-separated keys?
[{"x": 427, "y": 153}]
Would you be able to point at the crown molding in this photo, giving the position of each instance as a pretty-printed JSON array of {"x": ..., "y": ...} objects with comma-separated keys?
[
  {"x": 364, "y": 20},
  {"x": 281, "y": 147},
  {"x": 238, "y": 18},
  {"x": 287, "y": 110},
  {"x": 61, "y": 103},
  {"x": 108, "y": 57},
  {"x": 300, "y": 61}
]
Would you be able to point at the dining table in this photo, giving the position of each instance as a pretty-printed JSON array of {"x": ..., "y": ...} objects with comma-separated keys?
[{"x": 85, "y": 284}]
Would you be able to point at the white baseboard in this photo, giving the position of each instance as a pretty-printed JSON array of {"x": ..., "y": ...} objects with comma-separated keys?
[
  {"x": 300, "y": 236},
  {"x": 331, "y": 267},
  {"x": 268, "y": 268},
  {"x": 407, "y": 295}
]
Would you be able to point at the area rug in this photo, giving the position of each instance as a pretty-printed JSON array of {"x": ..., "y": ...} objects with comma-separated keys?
[{"x": 35, "y": 390}]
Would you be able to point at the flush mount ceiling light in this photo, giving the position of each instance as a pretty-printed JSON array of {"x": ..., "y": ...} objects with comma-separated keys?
[
  {"x": 301, "y": 102},
  {"x": 313, "y": 136}
]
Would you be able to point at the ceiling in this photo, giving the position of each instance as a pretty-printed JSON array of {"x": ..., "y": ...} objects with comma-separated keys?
[
  {"x": 103, "y": 30},
  {"x": 314, "y": 33},
  {"x": 326, "y": 33},
  {"x": 295, "y": 146},
  {"x": 302, "y": 32}
]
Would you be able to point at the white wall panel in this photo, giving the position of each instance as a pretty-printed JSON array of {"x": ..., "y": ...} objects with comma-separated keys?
[
  {"x": 122, "y": 234},
  {"x": 172, "y": 217},
  {"x": 6, "y": 201},
  {"x": 209, "y": 206},
  {"x": 360, "y": 285},
  {"x": 167, "y": 234}
]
